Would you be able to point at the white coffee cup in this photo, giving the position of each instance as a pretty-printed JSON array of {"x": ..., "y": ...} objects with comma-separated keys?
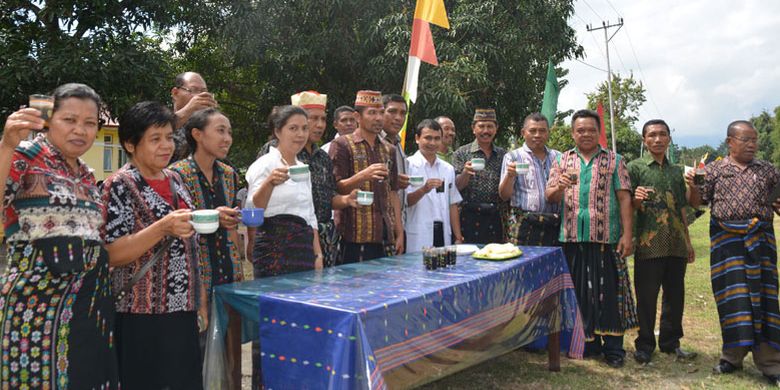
[{"x": 365, "y": 198}]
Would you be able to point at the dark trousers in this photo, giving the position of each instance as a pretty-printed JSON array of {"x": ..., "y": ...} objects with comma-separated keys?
[
  {"x": 610, "y": 346},
  {"x": 438, "y": 234},
  {"x": 650, "y": 276},
  {"x": 355, "y": 253}
]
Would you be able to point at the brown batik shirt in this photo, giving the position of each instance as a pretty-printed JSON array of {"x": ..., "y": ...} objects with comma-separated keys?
[{"x": 737, "y": 194}]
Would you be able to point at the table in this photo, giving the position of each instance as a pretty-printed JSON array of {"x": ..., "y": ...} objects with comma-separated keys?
[{"x": 389, "y": 323}]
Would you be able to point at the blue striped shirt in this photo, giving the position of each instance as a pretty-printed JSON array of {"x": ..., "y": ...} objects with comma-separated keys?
[{"x": 528, "y": 191}]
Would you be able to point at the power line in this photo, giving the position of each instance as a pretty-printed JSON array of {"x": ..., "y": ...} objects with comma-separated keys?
[
  {"x": 615, "y": 9},
  {"x": 591, "y": 8},
  {"x": 606, "y": 26},
  {"x": 598, "y": 46},
  {"x": 594, "y": 67},
  {"x": 641, "y": 73},
  {"x": 625, "y": 68}
]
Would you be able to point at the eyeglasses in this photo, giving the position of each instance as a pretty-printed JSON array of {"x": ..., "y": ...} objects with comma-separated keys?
[
  {"x": 194, "y": 91},
  {"x": 745, "y": 140}
]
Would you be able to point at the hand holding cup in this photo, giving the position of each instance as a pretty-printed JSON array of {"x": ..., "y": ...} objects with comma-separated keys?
[
  {"x": 19, "y": 124},
  {"x": 177, "y": 223},
  {"x": 228, "y": 217}
]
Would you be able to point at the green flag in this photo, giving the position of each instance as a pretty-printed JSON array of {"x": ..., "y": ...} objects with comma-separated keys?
[
  {"x": 551, "y": 91},
  {"x": 672, "y": 153}
]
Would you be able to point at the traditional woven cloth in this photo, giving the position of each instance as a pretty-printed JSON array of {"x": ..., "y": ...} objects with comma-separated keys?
[{"x": 743, "y": 269}]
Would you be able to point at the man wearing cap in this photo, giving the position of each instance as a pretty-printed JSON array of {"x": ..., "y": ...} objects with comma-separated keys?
[
  {"x": 448, "y": 139},
  {"x": 363, "y": 160},
  {"x": 478, "y": 183},
  {"x": 524, "y": 174},
  {"x": 323, "y": 183},
  {"x": 344, "y": 122},
  {"x": 189, "y": 94}
]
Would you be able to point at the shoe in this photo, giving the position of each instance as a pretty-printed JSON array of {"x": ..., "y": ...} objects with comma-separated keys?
[
  {"x": 725, "y": 367},
  {"x": 774, "y": 380},
  {"x": 682, "y": 354},
  {"x": 614, "y": 361},
  {"x": 642, "y": 357}
]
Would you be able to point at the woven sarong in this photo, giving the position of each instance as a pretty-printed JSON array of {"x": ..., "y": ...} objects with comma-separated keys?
[
  {"x": 603, "y": 289},
  {"x": 743, "y": 270},
  {"x": 533, "y": 229},
  {"x": 284, "y": 244}
]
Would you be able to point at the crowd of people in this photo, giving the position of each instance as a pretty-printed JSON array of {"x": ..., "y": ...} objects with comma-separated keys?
[{"x": 110, "y": 285}]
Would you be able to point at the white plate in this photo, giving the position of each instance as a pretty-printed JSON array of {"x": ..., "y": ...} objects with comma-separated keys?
[{"x": 466, "y": 249}]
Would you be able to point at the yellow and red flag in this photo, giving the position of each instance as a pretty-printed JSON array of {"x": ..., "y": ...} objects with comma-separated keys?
[{"x": 421, "y": 48}]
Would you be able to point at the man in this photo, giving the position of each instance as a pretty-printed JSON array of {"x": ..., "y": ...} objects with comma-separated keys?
[
  {"x": 189, "y": 94},
  {"x": 596, "y": 232},
  {"x": 344, "y": 122},
  {"x": 394, "y": 118},
  {"x": 362, "y": 160},
  {"x": 663, "y": 246},
  {"x": 524, "y": 175},
  {"x": 743, "y": 256},
  {"x": 432, "y": 208},
  {"x": 481, "y": 209},
  {"x": 448, "y": 140}
]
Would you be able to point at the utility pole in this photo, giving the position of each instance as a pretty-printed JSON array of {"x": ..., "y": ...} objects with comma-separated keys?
[{"x": 606, "y": 26}]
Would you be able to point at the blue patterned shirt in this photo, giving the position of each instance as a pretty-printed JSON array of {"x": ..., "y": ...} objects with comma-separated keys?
[{"x": 528, "y": 191}]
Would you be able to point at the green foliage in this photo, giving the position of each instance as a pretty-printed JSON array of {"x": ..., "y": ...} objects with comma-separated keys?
[
  {"x": 495, "y": 55},
  {"x": 628, "y": 95},
  {"x": 109, "y": 45},
  {"x": 691, "y": 156}
]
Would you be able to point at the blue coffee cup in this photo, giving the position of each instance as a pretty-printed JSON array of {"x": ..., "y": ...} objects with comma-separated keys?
[{"x": 252, "y": 217}]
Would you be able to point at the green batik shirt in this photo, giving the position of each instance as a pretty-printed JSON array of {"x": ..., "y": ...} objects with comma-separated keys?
[{"x": 660, "y": 231}]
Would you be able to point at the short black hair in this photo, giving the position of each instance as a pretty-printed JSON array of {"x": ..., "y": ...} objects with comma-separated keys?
[
  {"x": 75, "y": 90},
  {"x": 586, "y": 114},
  {"x": 427, "y": 124},
  {"x": 652, "y": 122},
  {"x": 198, "y": 120},
  {"x": 393, "y": 97},
  {"x": 535, "y": 117},
  {"x": 340, "y": 110},
  {"x": 732, "y": 129},
  {"x": 280, "y": 115},
  {"x": 139, "y": 118},
  {"x": 440, "y": 117}
]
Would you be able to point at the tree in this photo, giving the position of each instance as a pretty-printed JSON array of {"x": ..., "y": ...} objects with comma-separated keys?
[
  {"x": 628, "y": 95},
  {"x": 494, "y": 55},
  {"x": 113, "y": 46}
]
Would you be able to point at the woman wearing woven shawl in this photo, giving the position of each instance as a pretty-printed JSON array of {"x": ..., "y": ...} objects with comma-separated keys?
[{"x": 743, "y": 256}]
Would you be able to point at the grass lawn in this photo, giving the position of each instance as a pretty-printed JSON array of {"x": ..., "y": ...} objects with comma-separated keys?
[{"x": 522, "y": 370}]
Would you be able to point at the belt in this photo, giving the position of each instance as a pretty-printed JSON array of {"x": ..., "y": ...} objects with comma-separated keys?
[{"x": 480, "y": 206}]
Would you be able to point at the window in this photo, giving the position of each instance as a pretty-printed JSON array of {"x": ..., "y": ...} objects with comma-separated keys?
[{"x": 108, "y": 153}]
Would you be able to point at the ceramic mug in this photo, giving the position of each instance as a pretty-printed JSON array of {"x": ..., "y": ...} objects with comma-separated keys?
[
  {"x": 477, "y": 164},
  {"x": 252, "y": 217},
  {"x": 205, "y": 221},
  {"x": 299, "y": 172},
  {"x": 365, "y": 198}
]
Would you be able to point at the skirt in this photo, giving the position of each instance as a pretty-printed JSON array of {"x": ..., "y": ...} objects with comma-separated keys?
[
  {"x": 482, "y": 223},
  {"x": 602, "y": 287},
  {"x": 533, "y": 229},
  {"x": 330, "y": 242},
  {"x": 159, "y": 351},
  {"x": 283, "y": 245},
  {"x": 58, "y": 330}
]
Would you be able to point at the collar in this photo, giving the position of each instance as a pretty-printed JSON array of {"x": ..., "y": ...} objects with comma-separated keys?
[
  {"x": 474, "y": 147},
  {"x": 599, "y": 151},
  {"x": 56, "y": 154},
  {"x": 395, "y": 139},
  {"x": 275, "y": 152},
  {"x": 755, "y": 161},
  {"x": 217, "y": 166},
  {"x": 421, "y": 157},
  {"x": 649, "y": 160},
  {"x": 531, "y": 152}
]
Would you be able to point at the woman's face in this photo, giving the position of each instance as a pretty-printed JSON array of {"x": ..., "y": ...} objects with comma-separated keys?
[
  {"x": 73, "y": 127},
  {"x": 215, "y": 138},
  {"x": 155, "y": 148},
  {"x": 294, "y": 134}
]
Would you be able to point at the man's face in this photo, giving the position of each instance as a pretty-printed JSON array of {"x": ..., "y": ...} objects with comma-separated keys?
[
  {"x": 743, "y": 144},
  {"x": 536, "y": 134},
  {"x": 585, "y": 134},
  {"x": 484, "y": 131},
  {"x": 317, "y": 122},
  {"x": 193, "y": 85},
  {"x": 395, "y": 114},
  {"x": 448, "y": 128},
  {"x": 428, "y": 141},
  {"x": 345, "y": 123},
  {"x": 657, "y": 139},
  {"x": 371, "y": 120}
]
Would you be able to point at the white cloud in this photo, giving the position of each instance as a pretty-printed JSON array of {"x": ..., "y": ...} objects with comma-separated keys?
[{"x": 704, "y": 63}]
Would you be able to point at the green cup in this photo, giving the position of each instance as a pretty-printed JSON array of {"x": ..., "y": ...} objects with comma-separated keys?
[{"x": 299, "y": 172}]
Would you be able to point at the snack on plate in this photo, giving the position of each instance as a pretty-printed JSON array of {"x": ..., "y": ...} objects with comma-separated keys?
[{"x": 498, "y": 251}]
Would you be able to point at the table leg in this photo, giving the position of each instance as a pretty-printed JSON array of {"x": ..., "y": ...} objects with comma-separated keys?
[
  {"x": 233, "y": 348},
  {"x": 554, "y": 351}
]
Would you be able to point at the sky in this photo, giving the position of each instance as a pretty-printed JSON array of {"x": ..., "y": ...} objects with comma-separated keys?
[{"x": 703, "y": 63}]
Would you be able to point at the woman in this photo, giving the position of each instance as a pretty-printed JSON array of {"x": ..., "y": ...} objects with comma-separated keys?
[
  {"x": 323, "y": 182},
  {"x": 56, "y": 303},
  {"x": 213, "y": 185},
  {"x": 147, "y": 207},
  {"x": 288, "y": 241}
]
